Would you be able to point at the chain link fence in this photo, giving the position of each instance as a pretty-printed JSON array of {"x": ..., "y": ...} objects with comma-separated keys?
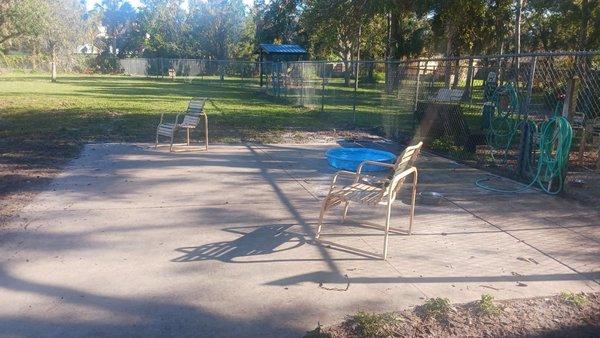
[
  {"x": 487, "y": 111},
  {"x": 245, "y": 72},
  {"x": 452, "y": 104},
  {"x": 71, "y": 63}
]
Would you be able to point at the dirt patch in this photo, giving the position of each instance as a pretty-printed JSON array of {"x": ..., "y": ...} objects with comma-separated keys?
[
  {"x": 26, "y": 168},
  {"x": 297, "y": 136},
  {"x": 557, "y": 316}
]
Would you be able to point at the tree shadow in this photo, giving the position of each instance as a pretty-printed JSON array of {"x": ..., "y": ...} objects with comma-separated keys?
[
  {"x": 130, "y": 316},
  {"x": 262, "y": 240}
]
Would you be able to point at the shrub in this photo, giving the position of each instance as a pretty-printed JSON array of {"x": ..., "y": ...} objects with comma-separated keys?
[
  {"x": 317, "y": 333},
  {"x": 374, "y": 324},
  {"x": 574, "y": 299},
  {"x": 486, "y": 305},
  {"x": 107, "y": 63},
  {"x": 375, "y": 77},
  {"x": 436, "y": 307}
]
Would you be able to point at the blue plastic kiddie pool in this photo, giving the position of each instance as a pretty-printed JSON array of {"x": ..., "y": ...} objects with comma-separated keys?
[{"x": 350, "y": 158}]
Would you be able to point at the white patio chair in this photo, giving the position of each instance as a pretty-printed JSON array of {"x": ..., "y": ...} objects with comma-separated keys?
[
  {"x": 382, "y": 192},
  {"x": 191, "y": 120},
  {"x": 449, "y": 95}
]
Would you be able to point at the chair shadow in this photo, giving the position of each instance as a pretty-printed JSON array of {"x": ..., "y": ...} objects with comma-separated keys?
[
  {"x": 263, "y": 240},
  {"x": 194, "y": 147}
]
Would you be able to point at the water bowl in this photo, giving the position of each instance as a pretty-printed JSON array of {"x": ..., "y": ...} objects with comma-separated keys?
[
  {"x": 350, "y": 158},
  {"x": 430, "y": 198}
]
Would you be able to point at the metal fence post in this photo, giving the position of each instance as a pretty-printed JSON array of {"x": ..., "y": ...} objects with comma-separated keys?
[
  {"x": 355, "y": 64},
  {"x": 571, "y": 98},
  {"x": 530, "y": 86},
  {"x": 417, "y": 87},
  {"x": 323, "y": 65},
  {"x": 221, "y": 71},
  {"x": 162, "y": 68}
]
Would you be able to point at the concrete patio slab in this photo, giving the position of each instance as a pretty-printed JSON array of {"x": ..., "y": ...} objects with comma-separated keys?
[{"x": 132, "y": 241}]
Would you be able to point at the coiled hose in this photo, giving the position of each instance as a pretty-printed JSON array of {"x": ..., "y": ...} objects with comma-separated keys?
[
  {"x": 504, "y": 126},
  {"x": 555, "y": 137}
]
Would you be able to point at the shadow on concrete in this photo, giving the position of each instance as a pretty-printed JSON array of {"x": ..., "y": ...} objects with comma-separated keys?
[
  {"x": 129, "y": 316},
  {"x": 263, "y": 240},
  {"x": 302, "y": 278}
]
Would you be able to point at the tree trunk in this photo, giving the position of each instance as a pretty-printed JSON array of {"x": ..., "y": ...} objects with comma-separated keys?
[
  {"x": 584, "y": 24},
  {"x": 113, "y": 42},
  {"x": 394, "y": 29},
  {"x": 470, "y": 70},
  {"x": 518, "y": 37},
  {"x": 518, "y": 26},
  {"x": 347, "y": 70},
  {"x": 357, "y": 57},
  {"x": 456, "y": 74},
  {"x": 449, "y": 37},
  {"x": 34, "y": 55},
  {"x": 389, "y": 52},
  {"x": 53, "y": 64}
]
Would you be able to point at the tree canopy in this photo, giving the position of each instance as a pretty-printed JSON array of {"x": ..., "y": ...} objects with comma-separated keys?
[{"x": 341, "y": 30}]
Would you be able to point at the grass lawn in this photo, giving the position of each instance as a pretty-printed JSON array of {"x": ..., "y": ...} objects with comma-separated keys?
[
  {"x": 119, "y": 108},
  {"x": 43, "y": 124}
]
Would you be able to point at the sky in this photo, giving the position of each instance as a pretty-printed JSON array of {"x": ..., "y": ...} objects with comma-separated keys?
[{"x": 136, "y": 3}]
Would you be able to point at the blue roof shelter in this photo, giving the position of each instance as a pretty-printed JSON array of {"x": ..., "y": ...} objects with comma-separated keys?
[
  {"x": 272, "y": 52},
  {"x": 279, "y": 53}
]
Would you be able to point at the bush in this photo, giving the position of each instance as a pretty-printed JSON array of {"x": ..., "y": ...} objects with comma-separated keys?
[
  {"x": 577, "y": 300},
  {"x": 436, "y": 307},
  {"x": 375, "y": 77},
  {"x": 486, "y": 305},
  {"x": 374, "y": 324},
  {"x": 106, "y": 63}
]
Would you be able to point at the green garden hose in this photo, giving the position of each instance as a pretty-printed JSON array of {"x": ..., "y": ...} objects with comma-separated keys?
[
  {"x": 503, "y": 126},
  {"x": 555, "y": 142}
]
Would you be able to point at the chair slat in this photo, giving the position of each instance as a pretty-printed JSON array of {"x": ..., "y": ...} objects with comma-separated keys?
[
  {"x": 196, "y": 106},
  {"x": 190, "y": 121}
]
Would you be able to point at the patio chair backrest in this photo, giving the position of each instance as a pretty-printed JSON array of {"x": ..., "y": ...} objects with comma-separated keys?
[
  {"x": 447, "y": 94},
  {"x": 407, "y": 158},
  {"x": 404, "y": 162},
  {"x": 194, "y": 110}
]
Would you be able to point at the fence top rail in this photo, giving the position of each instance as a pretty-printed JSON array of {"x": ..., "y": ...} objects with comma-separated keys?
[
  {"x": 591, "y": 53},
  {"x": 196, "y": 60},
  {"x": 465, "y": 57},
  {"x": 505, "y": 56}
]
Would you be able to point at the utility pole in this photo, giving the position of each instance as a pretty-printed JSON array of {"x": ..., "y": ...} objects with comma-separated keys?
[{"x": 518, "y": 26}]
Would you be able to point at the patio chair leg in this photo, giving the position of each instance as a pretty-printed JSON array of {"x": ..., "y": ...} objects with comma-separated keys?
[
  {"x": 172, "y": 137},
  {"x": 156, "y": 144},
  {"x": 321, "y": 215},
  {"x": 188, "y": 135},
  {"x": 345, "y": 212},
  {"x": 206, "y": 131},
  {"x": 412, "y": 205},
  {"x": 387, "y": 229}
]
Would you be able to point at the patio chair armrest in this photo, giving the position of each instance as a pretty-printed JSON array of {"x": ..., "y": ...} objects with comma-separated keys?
[
  {"x": 370, "y": 179},
  {"x": 177, "y": 120},
  {"x": 402, "y": 175},
  {"x": 380, "y": 164},
  {"x": 162, "y": 118},
  {"x": 341, "y": 173},
  {"x": 406, "y": 173}
]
